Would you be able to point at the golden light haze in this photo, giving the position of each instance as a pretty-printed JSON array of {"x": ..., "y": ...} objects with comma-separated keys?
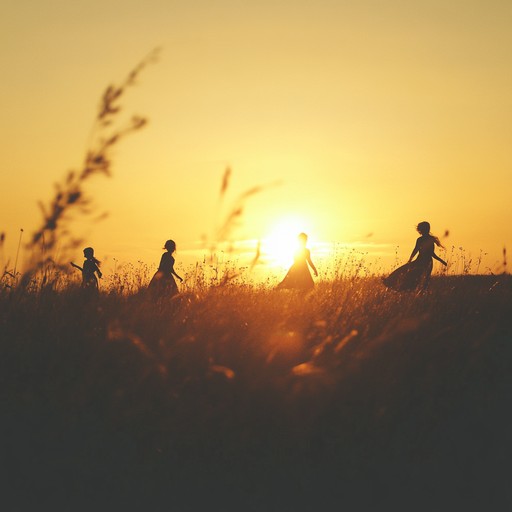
[{"x": 372, "y": 115}]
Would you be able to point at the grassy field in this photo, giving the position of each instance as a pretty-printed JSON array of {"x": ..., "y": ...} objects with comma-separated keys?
[
  {"x": 236, "y": 396},
  {"x": 246, "y": 398}
]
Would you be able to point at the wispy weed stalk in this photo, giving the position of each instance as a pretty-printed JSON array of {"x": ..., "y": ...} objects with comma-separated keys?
[
  {"x": 226, "y": 225},
  {"x": 70, "y": 198}
]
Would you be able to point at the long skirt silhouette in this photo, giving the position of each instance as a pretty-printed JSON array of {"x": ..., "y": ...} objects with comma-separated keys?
[
  {"x": 411, "y": 276},
  {"x": 298, "y": 277},
  {"x": 90, "y": 285},
  {"x": 163, "y": 285}
]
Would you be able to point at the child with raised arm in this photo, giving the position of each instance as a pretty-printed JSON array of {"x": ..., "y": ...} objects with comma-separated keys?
[{"x": 89, "y": 270}]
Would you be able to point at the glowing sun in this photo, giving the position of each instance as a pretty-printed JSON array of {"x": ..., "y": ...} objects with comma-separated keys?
[{"x": 281, "y": 242}]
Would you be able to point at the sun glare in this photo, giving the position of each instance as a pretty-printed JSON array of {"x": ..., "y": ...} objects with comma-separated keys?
[{"x": 281, "y": 242}]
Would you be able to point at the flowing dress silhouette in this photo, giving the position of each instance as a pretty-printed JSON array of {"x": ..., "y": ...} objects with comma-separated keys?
[
  {"x": 163, "y": 284},
  {"x": 415, "y": 274},
  {"x": 299, "y": 276}
]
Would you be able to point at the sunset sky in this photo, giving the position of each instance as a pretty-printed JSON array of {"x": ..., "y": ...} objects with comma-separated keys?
[{"x": 371, "y": 115}]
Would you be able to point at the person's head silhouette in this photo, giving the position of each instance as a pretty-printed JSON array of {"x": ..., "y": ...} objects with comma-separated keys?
[
  {"x": 170, "y": 246},
  {"x": 303, "y": 239},
  {"x": 89, "y": 253},
  {"x": 423, "y": 228}
]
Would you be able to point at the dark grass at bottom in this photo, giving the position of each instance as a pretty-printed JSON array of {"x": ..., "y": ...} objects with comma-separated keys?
[{"x": 414, "y": 415}]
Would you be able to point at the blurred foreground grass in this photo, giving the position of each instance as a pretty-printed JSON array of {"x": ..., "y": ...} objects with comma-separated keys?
[{"x": 244, "y": 398}]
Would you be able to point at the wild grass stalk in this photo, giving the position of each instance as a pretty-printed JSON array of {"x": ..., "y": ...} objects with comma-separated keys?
[
  {"x": 71, "y": 198},
  {"x": 227, "y": 220}
]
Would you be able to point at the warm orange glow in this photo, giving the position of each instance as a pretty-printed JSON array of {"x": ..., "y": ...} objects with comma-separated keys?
[
  {"x": 281, "y": 243},
  {"x": 372, "y": 120}
]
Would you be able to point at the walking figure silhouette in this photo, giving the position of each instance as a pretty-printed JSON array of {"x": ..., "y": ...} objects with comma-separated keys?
[
  {"x": 163, "y": 284},
  {"x": 299, "y": 276},
  {"x": 89, "y": 270},
  {"x": 415, "y": 274}
]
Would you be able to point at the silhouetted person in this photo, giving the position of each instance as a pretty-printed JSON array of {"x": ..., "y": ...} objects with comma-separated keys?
[
  {"x": 163, "y": 284},
  {"x": 299, "y": 277},
  {"x": 89, "y": 270},
  {"x": 415, "y": 274}
]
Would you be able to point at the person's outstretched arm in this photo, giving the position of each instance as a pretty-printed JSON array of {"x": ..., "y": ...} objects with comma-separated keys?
[
  {"x": 414, "y": 252},
  {"x": 311, "y": 264},
  {"x": 76, "y": 266},
  {"x": 436, "y": 257},
  {"x": 174, "y": 273}
]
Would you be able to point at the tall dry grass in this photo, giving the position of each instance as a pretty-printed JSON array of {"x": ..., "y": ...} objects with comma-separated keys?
[{"x": 252, "y": 397}]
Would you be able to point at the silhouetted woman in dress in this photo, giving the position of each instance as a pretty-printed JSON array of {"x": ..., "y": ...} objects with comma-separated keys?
[
  {"x": 163, "y": 284},
  {"x": 415, "y": 274},
  {"x": 89, "y": 270},
  {"x": 299, "y": 277}
]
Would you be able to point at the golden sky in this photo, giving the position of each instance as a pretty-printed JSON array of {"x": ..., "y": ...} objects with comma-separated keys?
[{"x": 373, "y": 115}]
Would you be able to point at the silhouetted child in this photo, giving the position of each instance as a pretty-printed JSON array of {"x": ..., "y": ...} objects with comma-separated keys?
[
  {"x": 163, "y": 284},
  {"x": 415, "y": 274},
  {"x": 299, "y": 277},
  {"x": 89, "y": 270}
]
